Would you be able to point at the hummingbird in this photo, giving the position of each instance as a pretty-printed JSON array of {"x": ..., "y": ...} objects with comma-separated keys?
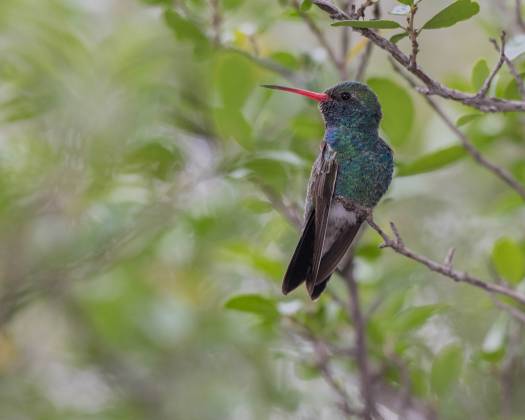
[{"x": 350, "y": 175}]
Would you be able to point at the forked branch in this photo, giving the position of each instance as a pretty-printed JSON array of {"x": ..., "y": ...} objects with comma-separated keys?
[
  {"x": 432, "y": 86},
  {"x": 446, "y": 269}
]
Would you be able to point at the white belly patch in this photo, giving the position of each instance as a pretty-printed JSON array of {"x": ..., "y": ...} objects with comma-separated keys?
[{"x": 339, "y": 219}]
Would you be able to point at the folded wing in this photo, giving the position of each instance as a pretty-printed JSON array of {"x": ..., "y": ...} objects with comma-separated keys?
[{"x": 312, "y": 261}]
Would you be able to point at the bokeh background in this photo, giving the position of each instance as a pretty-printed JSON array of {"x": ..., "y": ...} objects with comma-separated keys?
[{"x": 137, "y": 162}]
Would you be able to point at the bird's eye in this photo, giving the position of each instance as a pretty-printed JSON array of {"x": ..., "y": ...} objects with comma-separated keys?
[{"x": 345, "y": 96}]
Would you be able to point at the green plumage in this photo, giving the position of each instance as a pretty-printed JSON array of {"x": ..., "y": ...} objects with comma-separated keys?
[
  {"x": 350, "y": 175},
  {"x": 365, "y": 160}
]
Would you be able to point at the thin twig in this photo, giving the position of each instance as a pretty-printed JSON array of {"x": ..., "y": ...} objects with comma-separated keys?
[
  {"x": 432, "y": 87},
  {"x": 289, "y": 212},
  {"x": 412, "y": 34},
  {"x": 322, "y": 352},
  {"x": 329, "y": 378},
  {"x": 361, "y": 10},
  {"x": 253, "y": 43},
  {"x": 354, "y": 309},
  {"x": 335, "y": 297},
  {"x": 510, "y": 64},
  {"x": 488, "y": 81},
  {"x": 216, "y": 20},
  {"x": 450, "y": 257},
  {"x": 363, "y": 63},
  {"x": 519, "y": 17},
  {"x": 316, "y": 31},
  {"x": 367, "y": 53},
  {"x": 360, "y": 337},
  {"x": 517, "y": 76},
  {"x": 513, "y": 311},
  {"x": 444, "y": 269},
  {"x": 346, "y": 40},
  {"x": 406, "y": 381},
  {"x": 498, "y": 171},
  {"x": 380, "y": 390}
]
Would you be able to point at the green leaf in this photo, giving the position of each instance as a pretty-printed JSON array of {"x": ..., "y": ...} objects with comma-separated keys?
[
  {"x": 398, "y": 37},
  {"x": 306, "y": 5},
  {"x": 267, "y": 171},
  {"x": 419, "y": 381},
  {"x": 283, "y": 156},
  {"x": 438, "y": 159},
  {"x": 393, "y": 304},
  {"x": 512, "y": 90},
  {"x": 502, "y": 84},
  {"x": 480, "y": 72},
  {"x": 374, "y": 332},
  {"x": 286, "y": 59},
  {"x": 407, "y": 2},
  {"x": 231, "y": 4},
  {"x": 185, "y": 30},
  {"x": 235, "y": 79},
  {"x": 465, "y": 119},
  {"x": 155, "y": 159},
  {"x": 231, "y": 123},
  {"x": 307, "y": 371},
  {"x": 398, "y": 110},
  {"x": 158, "y": 2},
  {"x": 254, "y": 304},
  {"x": 431, "y": 161},
  {"x": 452, "y": 14},
  {"x": 508, "y": 258},
  {"x": 257, "y": 206},
  {"x": 306, "y": 127},
  {"x": 446, "y": 369},
  {"x": 518, "y": 170},
  {"x": 412, "y": 318},
  {"x": 377, "y": 24},
  {"x": 370, "y": 251},
  {"x": 254, "y": 258}
]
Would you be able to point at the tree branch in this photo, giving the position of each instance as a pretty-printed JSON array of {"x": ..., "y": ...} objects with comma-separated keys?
[
  {"x": 370, "y": 410},
  {"x": 488, "y": 81},
  {"x": 323, "y": 352},
  {"x": 444, "y": 269},
  {"x": 291, "y": 213},
  {"x": 432, "y": 87},
  {"x": 361, "y": 10},
  {"x": 498, "y": 171},
  {"x": 510, "y": 65},
  {"x": 371, "y": 391},
  {"x": 412, "y": 34}
]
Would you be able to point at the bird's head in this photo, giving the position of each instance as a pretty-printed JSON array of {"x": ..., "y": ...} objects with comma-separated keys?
[{"x": 347, "y": 103}]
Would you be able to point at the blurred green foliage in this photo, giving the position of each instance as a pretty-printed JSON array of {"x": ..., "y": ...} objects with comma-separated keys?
[{"x": 141, "y": 254}]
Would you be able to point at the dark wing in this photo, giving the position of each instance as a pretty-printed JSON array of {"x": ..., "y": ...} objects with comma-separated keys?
[
  {"x": 323, "y": 193},
  {"x": 334, "y": 255},
  {"x": 302, "y": 257},
  {"x": 306, "y": 259}
]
